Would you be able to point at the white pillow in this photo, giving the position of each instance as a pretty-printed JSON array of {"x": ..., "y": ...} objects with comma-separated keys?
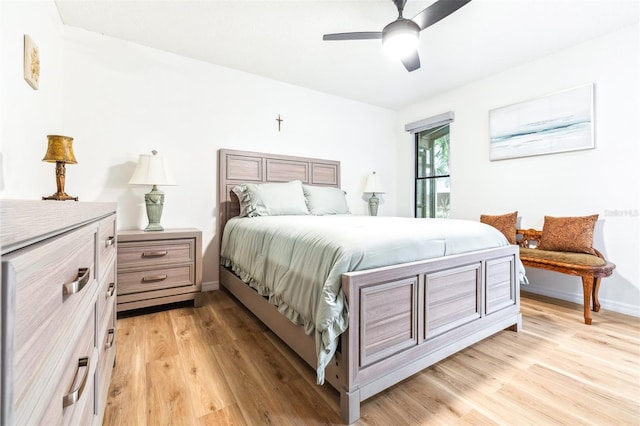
[
  {"x": 274, "y": 199},
  {"x": 323, "y": 200}
]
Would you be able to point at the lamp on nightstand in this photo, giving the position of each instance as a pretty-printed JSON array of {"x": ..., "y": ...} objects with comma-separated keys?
[
  {"x": 153, "y": 170},
  {"x": 373, "y": 186}
]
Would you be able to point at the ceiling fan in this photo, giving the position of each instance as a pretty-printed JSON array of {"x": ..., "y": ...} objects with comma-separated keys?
[{"x": 400, "y": 37}]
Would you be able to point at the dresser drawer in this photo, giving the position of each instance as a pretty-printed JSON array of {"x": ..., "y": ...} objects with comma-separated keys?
[
  {"x": 153, "y": 253},
  {"x": 155, "y": 279},
  {"x": 106, "y": 296},
  {"x": 55, "y": 286},
  {"x": 74, "y": 387},
  {"x": 107, "y": 349},
  {"x": 106, "y": 244}
]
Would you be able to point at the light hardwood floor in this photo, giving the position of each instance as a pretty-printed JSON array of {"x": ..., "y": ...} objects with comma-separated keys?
[{"x": 218, "y": 365}]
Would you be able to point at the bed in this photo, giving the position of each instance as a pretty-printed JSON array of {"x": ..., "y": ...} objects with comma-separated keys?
[{"x": 401, "y": 318}]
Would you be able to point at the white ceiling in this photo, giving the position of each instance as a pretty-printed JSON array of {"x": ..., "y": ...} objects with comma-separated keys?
[{"x": 282, "y": 40}]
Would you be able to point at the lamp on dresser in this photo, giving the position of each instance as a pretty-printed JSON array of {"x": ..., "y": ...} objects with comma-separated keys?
[
  {"x": 153, "y": 170},
  {"x": 373, "y": 187},
  {"x": 60, "y": 151}
]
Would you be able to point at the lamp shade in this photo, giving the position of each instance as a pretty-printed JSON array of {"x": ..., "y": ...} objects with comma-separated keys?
[
  {"x": 373, "y": 184},
  {"x": 152, "y": 169},
  {"x": 60, "y": 149}
]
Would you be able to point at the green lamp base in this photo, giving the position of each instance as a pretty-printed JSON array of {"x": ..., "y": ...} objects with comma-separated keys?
[
  {"x": 155, "y": 202},
  {"x": 373, "y": 205}
]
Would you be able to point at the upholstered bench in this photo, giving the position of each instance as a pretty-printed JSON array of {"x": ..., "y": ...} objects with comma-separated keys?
[
  {"x": 590, "y": 267},
  {"x": 564, "y": 245}
]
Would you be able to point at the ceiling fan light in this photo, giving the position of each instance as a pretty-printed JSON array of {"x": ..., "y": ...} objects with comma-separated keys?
[{"x": 400, "y": 38}]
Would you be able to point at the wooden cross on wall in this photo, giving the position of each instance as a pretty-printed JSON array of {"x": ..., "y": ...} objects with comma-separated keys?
[{"x": 279, "y": 120}]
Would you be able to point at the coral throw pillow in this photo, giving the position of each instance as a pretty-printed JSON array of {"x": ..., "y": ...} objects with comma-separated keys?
[
  {"x": 505, "y": 223},
  {"x": 572, "y": 234}
]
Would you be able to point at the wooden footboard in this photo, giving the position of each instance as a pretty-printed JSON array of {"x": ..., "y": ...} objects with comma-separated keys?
[{"x": 404, "y": 318}]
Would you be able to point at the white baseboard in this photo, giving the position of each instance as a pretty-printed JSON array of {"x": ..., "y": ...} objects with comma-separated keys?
[
  {"x": 210, "y": 285},
  {"x": 610, "y": 305}
]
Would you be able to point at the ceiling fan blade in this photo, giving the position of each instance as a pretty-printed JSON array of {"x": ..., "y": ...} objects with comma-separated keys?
[
  {"x": 411, "y": 62},
  {"x": 354, "y": 36},
  {"x": 437, "y": 11}
]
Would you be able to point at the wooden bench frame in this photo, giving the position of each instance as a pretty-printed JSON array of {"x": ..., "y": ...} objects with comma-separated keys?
[{"x": 591, "y": 275}]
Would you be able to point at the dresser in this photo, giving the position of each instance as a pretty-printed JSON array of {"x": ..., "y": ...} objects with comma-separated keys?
[
  {"x": 58, "y": 319},
  {"x": 159, "y": 267}
]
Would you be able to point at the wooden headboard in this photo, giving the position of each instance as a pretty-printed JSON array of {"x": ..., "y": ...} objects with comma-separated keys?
[{"x": 236, "y": 167}]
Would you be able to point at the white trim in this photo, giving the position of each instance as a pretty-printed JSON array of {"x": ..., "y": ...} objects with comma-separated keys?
[{"x": 610, "y": 305}]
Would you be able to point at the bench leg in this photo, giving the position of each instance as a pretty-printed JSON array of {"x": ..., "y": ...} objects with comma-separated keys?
[
  {"x": 587, "y": 289},
  {"x": 596, "y": 288}
]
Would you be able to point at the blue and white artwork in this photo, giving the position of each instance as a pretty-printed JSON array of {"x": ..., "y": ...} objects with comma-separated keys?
[{"x": 556, "y": 123}]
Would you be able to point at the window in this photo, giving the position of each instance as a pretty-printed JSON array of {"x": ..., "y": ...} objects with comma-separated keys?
[{"x": 432, "y": 172}]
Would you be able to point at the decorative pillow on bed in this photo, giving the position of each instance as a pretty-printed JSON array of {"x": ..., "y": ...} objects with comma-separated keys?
[
  {"x": 573, "y": 234},
  {"x": 505, "y": 223},
  {"x": 323, "y": 200},
  {"x": 240, "y": 192},
  {"x": 274, "y": 199}
]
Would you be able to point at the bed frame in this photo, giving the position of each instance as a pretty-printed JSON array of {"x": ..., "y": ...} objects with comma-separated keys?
[{"x": 402, "y": 318}]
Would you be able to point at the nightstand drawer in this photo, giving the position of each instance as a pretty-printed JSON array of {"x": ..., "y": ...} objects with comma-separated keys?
[
  {"x": 155, "y": 279},
  {"x": 158, "y": 268},
  {"x": 151, "y": 253}
]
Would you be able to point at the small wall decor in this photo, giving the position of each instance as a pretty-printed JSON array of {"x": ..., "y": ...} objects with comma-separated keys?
[
  {"x": 554, "y": 123},
  {"x": 31, "y": 62}
]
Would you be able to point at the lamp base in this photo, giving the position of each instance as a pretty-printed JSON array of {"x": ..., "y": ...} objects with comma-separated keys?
[
  {"x": 373, "y": 205},
  {"x": 60, "y": 196},
  {"x": 154, "y": 200}
]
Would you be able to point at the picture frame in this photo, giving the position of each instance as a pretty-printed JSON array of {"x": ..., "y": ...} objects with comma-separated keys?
[
  {"x": 558, "y": 122},
  {"x": 31, "y": 62}
]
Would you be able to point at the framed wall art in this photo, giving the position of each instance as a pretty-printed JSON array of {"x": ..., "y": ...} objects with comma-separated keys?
[
  {"x": 31, "y": 62},
  {"x": 558, "y": 122}
]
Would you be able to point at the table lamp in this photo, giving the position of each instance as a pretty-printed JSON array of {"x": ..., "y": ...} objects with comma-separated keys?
[
  {"x": 373, "y": 186},
  {"x": 153, "y": 170},
  {"x": 60, "y": 151}
]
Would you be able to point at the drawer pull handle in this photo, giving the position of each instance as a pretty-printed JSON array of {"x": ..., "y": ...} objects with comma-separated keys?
[
  {"x": 78, "y": 284},
  {"x": 154, "y": 278},
  {"x": 111, "y": 290},
  {"x": 110, "y": 241},
  {"x": 154, "y": 253},
  {"x": 111, "y": 337},
  {"x": 75, "y": 394}
]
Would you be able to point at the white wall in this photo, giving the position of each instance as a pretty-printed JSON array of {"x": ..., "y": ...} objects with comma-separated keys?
[
  {"x": 118, "y": 100},
  {"x": 605, "y": 180}
]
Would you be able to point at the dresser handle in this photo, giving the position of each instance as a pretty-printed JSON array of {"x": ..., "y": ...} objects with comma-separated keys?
[
  {"x": 154, "y": 278},
  {"x": 73, "y": 396},
  {"x": 154, "y": 253},
  {"x": 78, "y": 284},
  {"x": 111, "y": 337},
  {"x": 111, "y": 290},
  {"x": 110, "y": 241}
]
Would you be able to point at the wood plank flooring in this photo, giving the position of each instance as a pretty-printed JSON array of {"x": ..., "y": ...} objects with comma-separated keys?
[{"x": 219, "y": 365}]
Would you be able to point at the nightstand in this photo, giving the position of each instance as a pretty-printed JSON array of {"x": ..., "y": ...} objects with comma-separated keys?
[{"x": 159, "y": 267}]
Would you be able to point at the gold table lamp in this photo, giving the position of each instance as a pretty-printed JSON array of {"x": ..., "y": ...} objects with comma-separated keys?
[{"x": 60, "y": 151}]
